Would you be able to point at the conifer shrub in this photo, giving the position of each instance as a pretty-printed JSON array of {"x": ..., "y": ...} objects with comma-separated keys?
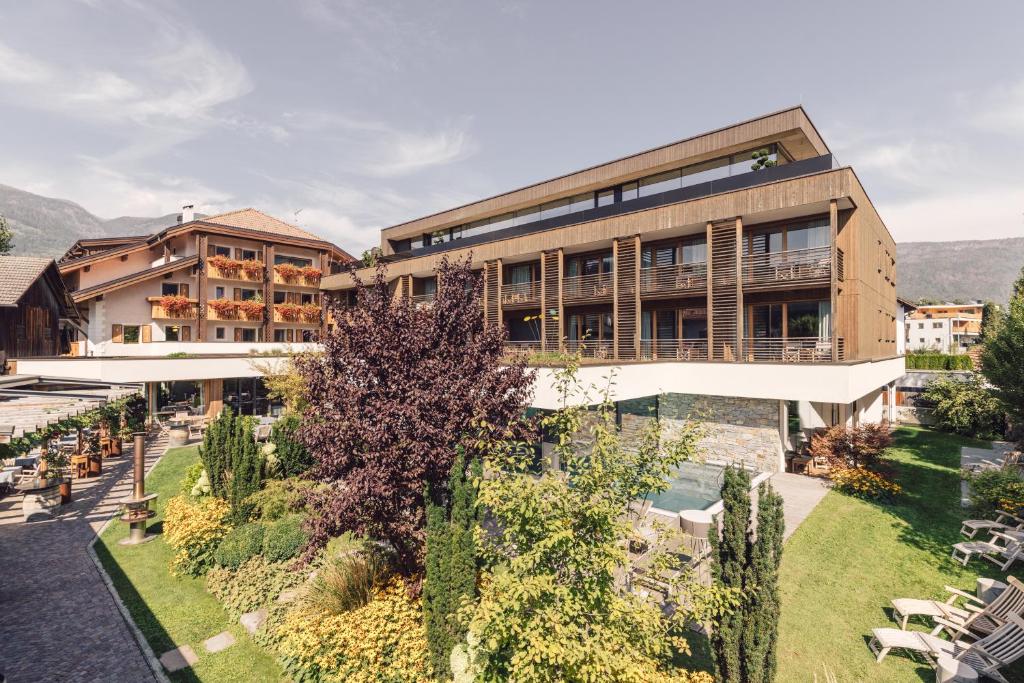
[{"x": 240, "y": 544}]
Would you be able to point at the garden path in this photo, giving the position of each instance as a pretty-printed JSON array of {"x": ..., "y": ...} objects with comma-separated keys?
[
  {"x": 800, "y": 495},
  {"x": 58, "y": 621}
]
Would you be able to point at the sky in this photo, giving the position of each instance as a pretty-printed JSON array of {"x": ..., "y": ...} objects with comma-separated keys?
[{"x": 346, "y": 116}]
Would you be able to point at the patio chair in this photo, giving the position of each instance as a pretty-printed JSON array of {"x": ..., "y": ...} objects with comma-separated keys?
[
  {"x": 196, "y": 428},
  {"x": 1002, "y": 555},
  {"x": 1000, "y": 648},
  {"x": 262, "y": 432},
  {"x": 904, "y": 608},
  {"x": 1004, "y": 521},
  {"x": 990, "y": 617}
]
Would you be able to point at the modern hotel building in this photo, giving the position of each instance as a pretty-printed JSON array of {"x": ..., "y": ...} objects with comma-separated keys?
[{"x": 741, "y": 275}]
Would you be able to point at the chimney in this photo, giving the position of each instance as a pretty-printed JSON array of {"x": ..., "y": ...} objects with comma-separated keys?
[{"x": 188, "y": 214}]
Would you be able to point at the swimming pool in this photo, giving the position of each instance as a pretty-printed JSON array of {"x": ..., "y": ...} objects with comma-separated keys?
[{"x": 694, "y": 486}]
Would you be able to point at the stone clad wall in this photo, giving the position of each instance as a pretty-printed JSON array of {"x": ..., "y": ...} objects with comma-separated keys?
[{"x": 739, "y": 430}]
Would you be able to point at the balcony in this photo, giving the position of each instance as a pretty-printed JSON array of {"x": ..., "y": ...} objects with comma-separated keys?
[
  {"x": 790, "y": 350},
  {"x": 226, "y": 309},
  {"x": 423, "y": 299},
  {"x": 290, "y": 275},
  {"x": 297, "y": 314},
  {"x": 673, "y": 349},
  {"x": 521, "y": 294},
  {"x": 783, "y": 269},
  {"x": 173, "y": 308},
  {"x": 678, "y": 278},
  {"x": 591, "y": 348},
  {"x": 598, "y": 286},
  {"x": 516, "y": 349},
  {"x": 223, "y": 268}
]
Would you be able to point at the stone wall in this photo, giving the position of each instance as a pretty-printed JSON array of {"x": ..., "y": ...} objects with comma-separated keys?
[{"x": 739, "y": 430}]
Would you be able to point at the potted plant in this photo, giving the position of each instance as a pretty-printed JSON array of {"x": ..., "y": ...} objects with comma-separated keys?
[
  {"x": 311, "y": 313},
  {"x": 287, "y": 271},
  {"x": 224, "y": 308},
  {"x": 113, "y": 422},
  {"x": 252, "y": 308},
  {"x": 56, "y": 463},
  {"x": 252, "y": 268},
  {"x": 176, "y": 306},
  {"x": 92, "y": 449},
  {"x": 227, "y": 266},
  {"x": 289, "y": 312},
  {"x": 311, "y": 274}
]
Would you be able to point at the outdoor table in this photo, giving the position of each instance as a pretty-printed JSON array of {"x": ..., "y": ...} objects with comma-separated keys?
[
  {"x": 949, "y": 670},
  {"x": 27, "y": 462},
  {"x": 42, "y": 497}
]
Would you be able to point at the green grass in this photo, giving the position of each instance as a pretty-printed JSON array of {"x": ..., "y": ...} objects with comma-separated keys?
[
  {"x": 174, "y": 611},
  {"x": 851, "y": 557}
]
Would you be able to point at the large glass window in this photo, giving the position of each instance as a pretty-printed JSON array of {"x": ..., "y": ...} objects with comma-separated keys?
[
  {"x": 582, "y": 202},
  {"x": 293, "y": 260},
  {"x": 519, "y": 274},
  {"x": 808, "y": 319},
  {"x": 663, "y": 182},
  {"x": 630, "y": 191},
  {"x": 767, "y": 321},
  {"x": 524, "y": 216},
  {"x": 666, "y": 324},
  {"x": 695, "y": 251},
  {"x": 248, "y": 396},
  {"x": 808, "y": 236},
  {"x": 559, "y": 207},
  {"x": 658, "y": 256},
  {"x": 605, "y": 197},
  {"x": 180, "y": 396}
]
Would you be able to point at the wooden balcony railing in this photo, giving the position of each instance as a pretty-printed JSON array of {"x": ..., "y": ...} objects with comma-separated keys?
[
  {"x": 590, "y": 348},
  {"x": 779, "y": 269},
  {"x": 157, "y": 311},
  {"x": 520, "y": 293},
  {"x": 680, "y": 277},
  {"x": 239, "y": 274},
  {"x": 588, "y": 287},
  {"x": 521, "y": 348},
  {"x": 673, "y": 349},
  {"x": 423, "y": 299},
  {"x": 790, "y": 350}
]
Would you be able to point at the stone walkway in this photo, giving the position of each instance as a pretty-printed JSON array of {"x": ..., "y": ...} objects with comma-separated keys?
[
  {"x": 800, "y": 495},
  {"x": 58, "y": 621}
]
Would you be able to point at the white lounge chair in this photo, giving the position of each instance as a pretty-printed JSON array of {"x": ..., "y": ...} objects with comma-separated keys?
[
  {"x": 1001, "y": 555},
  {"x": 1000, "y": 648},
  {"x": 1003, "y": 521},
  {"x": 990, "y": 617}
]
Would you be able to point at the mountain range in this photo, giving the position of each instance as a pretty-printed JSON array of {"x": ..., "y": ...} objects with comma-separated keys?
[{"x": 947, "y": 271}]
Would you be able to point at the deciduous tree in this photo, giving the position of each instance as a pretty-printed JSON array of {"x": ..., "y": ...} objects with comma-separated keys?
[
  {"x": 396, "y": 389},
  {"x": 1002, "y": 361}
]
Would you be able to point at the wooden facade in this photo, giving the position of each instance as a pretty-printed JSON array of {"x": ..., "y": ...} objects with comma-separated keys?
[{"x": 30, "y": 321}]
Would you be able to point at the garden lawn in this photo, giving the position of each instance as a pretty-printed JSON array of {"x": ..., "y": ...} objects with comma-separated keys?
[
  {"x": 174, "y": 611},
  {"x": 850, "y": 557}
]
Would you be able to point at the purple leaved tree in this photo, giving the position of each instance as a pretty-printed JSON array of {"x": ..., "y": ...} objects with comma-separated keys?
[{"x": 397, "y": 389}]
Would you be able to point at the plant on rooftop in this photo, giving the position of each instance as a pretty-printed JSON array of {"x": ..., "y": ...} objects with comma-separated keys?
[
  {"x": 556, "y": 602},
  {"x": 964, "y": 406},
  {"x": 6, "y": 237},
  {"x": 762, "y": 159},
  {"x": 1002, "y": 361},
  {"x": 176, "y": 306},
  {"x": 395, "y": 390},
  {"x": 227, "y": 266}
]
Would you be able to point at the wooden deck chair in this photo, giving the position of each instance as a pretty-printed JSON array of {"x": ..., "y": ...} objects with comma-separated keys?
[
  {"x": 904, "y": 608},
  {"x": 1003, "y": 521},
  {"x": 986, "y": 620},
  {"x": 1001, "y": 555}
]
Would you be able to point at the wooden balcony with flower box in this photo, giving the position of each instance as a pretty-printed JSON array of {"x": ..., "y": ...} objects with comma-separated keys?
[
  {"x": 224, "y": 268},
  {"x": 298, "y": 314},
  {"x": 226, "y": 309},
  {"x": 173, "y": 307},
  {"x": 291, "y": 275}
]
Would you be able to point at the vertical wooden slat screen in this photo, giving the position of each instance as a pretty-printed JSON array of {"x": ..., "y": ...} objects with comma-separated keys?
[
  {"x": 551, "y": 300},
  {"x": 491, "y": 299},
  {"x": 627, "y": 296},
  {"x": 833, "y": 223},
  {"x": 724, "y": 291},
  {"x": 739, "y": 289}
]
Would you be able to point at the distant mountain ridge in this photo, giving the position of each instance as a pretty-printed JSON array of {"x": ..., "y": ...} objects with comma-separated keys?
[
  {"x": 970, "y": 269},
  {"x": 44, "y": 226}
]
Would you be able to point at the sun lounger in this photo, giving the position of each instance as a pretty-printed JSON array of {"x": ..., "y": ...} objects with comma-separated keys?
[
  {"x": 1001, "y": 555},
  {"x": 1003, "y": 521}
]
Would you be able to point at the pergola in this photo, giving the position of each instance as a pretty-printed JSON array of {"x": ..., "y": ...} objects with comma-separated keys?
[{"x": 30, "y": 404}]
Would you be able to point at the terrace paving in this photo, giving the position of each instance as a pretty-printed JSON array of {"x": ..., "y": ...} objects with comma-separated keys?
[
  {"x": 58, "y": 621},
  {"x": 800, "y": 494}
]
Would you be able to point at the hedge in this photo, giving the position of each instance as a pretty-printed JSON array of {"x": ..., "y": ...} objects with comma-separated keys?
[{"x": 939, "y": 361}]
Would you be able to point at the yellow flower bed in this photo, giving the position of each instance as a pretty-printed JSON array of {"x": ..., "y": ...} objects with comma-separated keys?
[
  {"x": 865, "y": 483},
  {"x": 383, "y": 641},
  {"x": 193, "y": 530}
]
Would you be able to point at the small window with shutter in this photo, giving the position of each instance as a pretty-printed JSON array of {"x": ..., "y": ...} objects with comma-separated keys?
[
  {"x": 146, "y": 333},
  {"x": 117, "y": 334}
]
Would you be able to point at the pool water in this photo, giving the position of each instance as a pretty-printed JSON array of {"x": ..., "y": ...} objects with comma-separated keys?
[{"x": 694, "y": 486}]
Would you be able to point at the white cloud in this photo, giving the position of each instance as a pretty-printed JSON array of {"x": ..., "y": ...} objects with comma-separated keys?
[
  {"x": 16, "y": 67},
  {"x": 967, "y": 215},
  {"x": 1000, "y": 110}
]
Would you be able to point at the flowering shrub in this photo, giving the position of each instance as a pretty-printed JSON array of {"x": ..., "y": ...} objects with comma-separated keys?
[
  {"x": 384, "y": 640},
  {"x": 311, "y": 313},
  {"x": 176, "y": 306},
  {"x": 851, "y": 446},
  {"x": 225, "y": 308},
  {"x": 311, "y": 273},
  {"x": 251, "y": 308},
  {"x": 992, "y": 490},
  {"x": 252, "y": 585},
  {"x": 228, "y": 266},
  {"x": 864, "y": 483},
  {"x": 287, "y": 271},
  {"x": 194, "y": 529},
  {"x": 288, "y": 311},
  {"x": 252, "y": 268}
]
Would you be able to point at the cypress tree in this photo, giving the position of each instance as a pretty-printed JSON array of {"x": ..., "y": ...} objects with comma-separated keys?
[
  {"x": 762, "y": 608},
  {"x": 731, "y": 565},
  {"x": 247, "y": 471},
  {"x": 450, "y": 562}
]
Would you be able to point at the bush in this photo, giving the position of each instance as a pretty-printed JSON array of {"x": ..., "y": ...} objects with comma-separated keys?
[
  {"x": 283, "y": 539},
  {"x": 256, "y": 583},
  {"x": 278, "y": 498},
  {"x": 293, "y": 458},
  {"x": 192, "y": 474},
  {"x": 864, "y": 483},
  {"x": 240, "y": 544},
  {"x": 193, "y": 530},
  {"x": 383, "y": 640},
  {"x": 845, "y": 447},
  {"x": 965, "y": 406},
  {"x": 347, "y": 582},
  {"x": 993, "y": 490},
  {"x": 938, "y": 361}
]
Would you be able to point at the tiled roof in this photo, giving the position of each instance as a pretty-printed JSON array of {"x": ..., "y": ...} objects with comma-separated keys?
[
  {"x": 251, "y": 219},
  {"x": 17, "y": 273}
]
